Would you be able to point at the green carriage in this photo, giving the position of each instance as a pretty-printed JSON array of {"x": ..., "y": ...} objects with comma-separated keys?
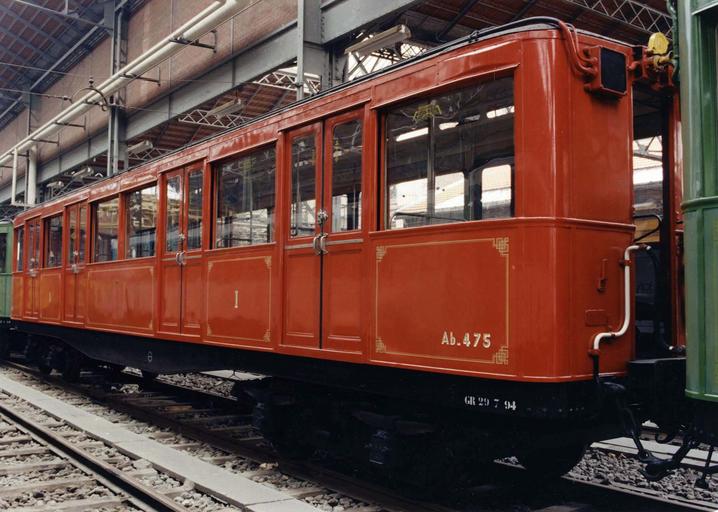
[{"x": 698, "y": 57}]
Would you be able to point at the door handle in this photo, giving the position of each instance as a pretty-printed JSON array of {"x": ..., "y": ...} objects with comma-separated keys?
[
  {"x": 315, "y": 244},
  {"x": 323, "y": 243},
  {"x": 76, "y": 262},
  {"x": 180, "y": 258}
]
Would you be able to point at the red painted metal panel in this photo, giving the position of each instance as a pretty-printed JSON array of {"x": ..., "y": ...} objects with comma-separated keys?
[{"x": 407, "y": 297}]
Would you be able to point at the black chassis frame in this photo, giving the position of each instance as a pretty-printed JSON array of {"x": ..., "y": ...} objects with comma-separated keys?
[{"x": 552, "y": 401}]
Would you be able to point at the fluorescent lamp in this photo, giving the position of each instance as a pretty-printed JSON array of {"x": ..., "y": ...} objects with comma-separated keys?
[
  {"x": 390, "y": 37},
  {"x": 448, "y": 126},
  {"x": 412, "y": 134},
  {"x": 141, "y": 146},
  {"x": 227, "y": 108},
  {"x": 500, "y": 112}
]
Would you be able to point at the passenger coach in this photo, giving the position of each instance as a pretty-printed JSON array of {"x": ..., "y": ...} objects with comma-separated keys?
[{"x": 449, "y": 236}]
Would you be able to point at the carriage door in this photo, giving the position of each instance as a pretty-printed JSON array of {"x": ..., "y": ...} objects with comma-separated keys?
[
  {"x": 181, "y": 267},
  {"x": 323, "y": 262},
  {"x": 32, "y": 283},
  {"x": 75, "y": 276}
]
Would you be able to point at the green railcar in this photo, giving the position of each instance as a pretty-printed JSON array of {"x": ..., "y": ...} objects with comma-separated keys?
[
  {"x": 5, "y": 272},
  {"x": 698, "y": 25}
]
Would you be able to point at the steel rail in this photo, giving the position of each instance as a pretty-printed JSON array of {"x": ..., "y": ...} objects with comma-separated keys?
[
  {"x": 252, "y": 449},
  {"x": 151, "y": 499},
  {"x": 333, "y": 480}
]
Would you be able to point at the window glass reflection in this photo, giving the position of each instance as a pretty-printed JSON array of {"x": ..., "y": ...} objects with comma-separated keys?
[
  {"x": 346, "y": 176},
  {"x": 141, "y": 223},
  {"x": 246, "y": 200},
  {"x": 53, "y": 241},
  {"x": 303, "y": 209},
  {"x": 106, "y": 226},
  {"x": 450, "y": 158}
]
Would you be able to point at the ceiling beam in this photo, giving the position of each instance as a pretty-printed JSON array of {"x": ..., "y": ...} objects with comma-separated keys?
[
  {"x": 56, "y": 64},
  {"x": 468, "y": 5},
  {"x": 630, "y": 13},
  {"x": 525, "y": 9},
  {"x": 43, "y": 33}
]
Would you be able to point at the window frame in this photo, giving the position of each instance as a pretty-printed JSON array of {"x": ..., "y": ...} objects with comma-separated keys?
[
  {"x": 214, "y": 206},
  {"x": 77, "y": 208},
  {"x": 382, "y": 213},
  {"x": 123, "y": 225},
  {"x": 19, "y": 253},
  {"x": 46, "y": 240},
  {"x": 4, "y": 267},
  {"x": 93, "y": 228},
  {"x": 328, "y": 127}
]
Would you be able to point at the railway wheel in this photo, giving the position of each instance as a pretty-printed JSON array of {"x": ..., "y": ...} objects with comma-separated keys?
[
  {"x": 148, "y": 377},
  {"x": 71, "y": 366},
  {"x": 549, "y": 462},
  {"x": 44, "y": 360},
  {"x": 5, "y": 344}
]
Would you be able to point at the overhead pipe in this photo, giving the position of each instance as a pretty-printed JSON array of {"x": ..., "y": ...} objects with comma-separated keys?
[
  {"x": 14, "y": 178},
  {"x": 208, "y": 19},
  {"x": 31, "y": 181}
]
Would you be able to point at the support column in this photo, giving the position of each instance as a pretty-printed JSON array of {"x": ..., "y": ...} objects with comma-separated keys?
[
  {"x": 117, "y": 121},
  {"x": 311, "y": 57},
  {"x": 31, "y": 157}
]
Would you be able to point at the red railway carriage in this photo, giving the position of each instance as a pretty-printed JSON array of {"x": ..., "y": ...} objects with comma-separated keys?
[{"x": 450, "y": 231}]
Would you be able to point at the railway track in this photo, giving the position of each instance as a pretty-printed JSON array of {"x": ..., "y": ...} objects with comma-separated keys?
[
  {"x": 211, "y": 419},
  {"x": 54, "y": 471},
  {"x": 198, "y": 418}
]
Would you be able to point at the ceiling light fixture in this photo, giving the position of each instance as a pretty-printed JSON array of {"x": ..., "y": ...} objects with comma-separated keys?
[
  {"x": 141, "y": 146},
  {"x": 390, "y": 37},
  {"x": 227, "y": 108}
]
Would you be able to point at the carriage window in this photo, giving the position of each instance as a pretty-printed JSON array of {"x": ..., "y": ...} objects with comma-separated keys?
[
  {"x": 53, "y": 241},
  {"x": 245, "y": 200},
  {"x": 105, "y": 224},
  {"x": 141, "y": 222},
  {"x": 303, "y": 186},
  {"x": 3, "y": 252},
  {"x": 82, "y": 234},
  {"x": 19, "y": 250},
  {"x": 450, "y": 158},
  {"x": 194, "y": 212},
  {"x": 173, "y": 190},
  {"x": 71, "y": 235},
  {"x": 346, "y": 176}
]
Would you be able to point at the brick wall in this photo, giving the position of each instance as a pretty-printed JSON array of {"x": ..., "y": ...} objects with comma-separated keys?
[{"x": 150, "y": 24}]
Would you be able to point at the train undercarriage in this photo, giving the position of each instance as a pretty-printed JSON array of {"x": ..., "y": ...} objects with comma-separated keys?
[{"x": 385, "y": 421}]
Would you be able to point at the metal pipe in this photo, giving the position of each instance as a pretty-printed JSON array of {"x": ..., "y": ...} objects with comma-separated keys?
[
  {"x": 14, "y": 178},
  {"x": 31, "y": 180},
  {"x": 216, "y": 13},
  {"x": 299, "y": 80},
  {"x": 626, "y": 299}
]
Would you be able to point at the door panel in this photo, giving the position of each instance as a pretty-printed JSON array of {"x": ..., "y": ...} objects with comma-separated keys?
[
  {"x": 302, "y": 266},
  {"x": 192, "y": 282},
  {"x": 81, "y": 269},
  {"x": 301, "y": 312},
  {"x": 343, "y": 245},
  {"x": 181, "y": 268},
  {"x": 342, "y": 289},
  {"x": 33, "y": 269},
  {"x": 170, "y": 269},
  {"x": 75, "y": 284},
  {"x": 324, "y": 253}
]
